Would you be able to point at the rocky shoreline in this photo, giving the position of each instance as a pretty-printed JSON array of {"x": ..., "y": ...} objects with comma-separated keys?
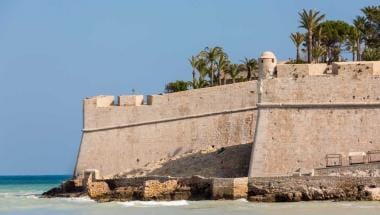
[{"x": 266, "y": 189}]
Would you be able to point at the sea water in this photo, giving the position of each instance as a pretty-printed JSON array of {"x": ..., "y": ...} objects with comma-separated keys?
[{"x": 20, "y": 195}]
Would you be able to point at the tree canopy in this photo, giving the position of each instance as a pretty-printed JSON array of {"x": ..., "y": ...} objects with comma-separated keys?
[{"x": 325, "y": 40}]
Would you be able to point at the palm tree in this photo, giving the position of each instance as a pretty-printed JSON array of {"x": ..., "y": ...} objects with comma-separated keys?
[
  {"x": 193, "y": 62},
  {"x": 371, "y": 54},
  {"x": 250, "y": 65},
  {"x": 200, "y": 83},
  {"x": 359, "y": 23},
  {"x": 222, "y": 65},
  {"x": 233, "y": 71},
  {"x": 297, "y": 39},
  {"x": 309, "y": 20},
  {"x": 211, "y": 55},
  {"x": 352, "y": 42},
  {"x": 318, "y": 52},
  {"x": 372, "y": 26},
  {"x": 202, "y": 69}
]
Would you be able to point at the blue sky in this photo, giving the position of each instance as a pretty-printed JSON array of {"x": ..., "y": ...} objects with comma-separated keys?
[{"x": 55, "y": 53}]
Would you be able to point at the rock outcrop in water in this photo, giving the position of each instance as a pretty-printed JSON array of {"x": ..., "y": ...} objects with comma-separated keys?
[
  {"x": 294, "y": 189},
  {"x": 273, "y": 189}
]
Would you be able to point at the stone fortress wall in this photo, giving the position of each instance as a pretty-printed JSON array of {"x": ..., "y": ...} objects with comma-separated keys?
[
  {"x": 294, "y": 115},
  {"x": 307, "y": 113},
  {"x": 126, "y": 137}
]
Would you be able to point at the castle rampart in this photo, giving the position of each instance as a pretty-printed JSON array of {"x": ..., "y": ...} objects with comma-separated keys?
[
  {"x": 295, "y": 116},
  {"x": 120, "y": 138},
  {"x": 305, "y": 117}
]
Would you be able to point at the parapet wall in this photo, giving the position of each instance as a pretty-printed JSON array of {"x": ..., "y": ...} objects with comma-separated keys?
[
  {"x": 100, "y": 112},
  {"x": 126, "y": 138},
  {"x": 338, "y": 68}
]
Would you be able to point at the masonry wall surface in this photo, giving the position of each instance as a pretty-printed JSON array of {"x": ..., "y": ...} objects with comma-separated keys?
[
  {"x": 295, "y": 120},
  {"x": 123, "y": 139},
  {"x": 301, "y": 120}
]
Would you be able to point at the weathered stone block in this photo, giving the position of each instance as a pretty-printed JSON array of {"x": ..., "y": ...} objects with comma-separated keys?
[
  {"x": 374, "y": 193},
  {"x": 104, "y": 101},
  {"x": 240, "y": 188},
  {"x": 131, "y": 100},
  {"x": 356, "y": 69},
  {"x": 222, "y": 188},
  {"x": 96, "y": 190},
  {"x": 156, "y": 190},
  {"x": 229, "y": 188},
  {"x": 300, "y": 70}
]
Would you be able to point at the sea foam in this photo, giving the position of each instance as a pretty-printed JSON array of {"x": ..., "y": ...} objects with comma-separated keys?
[
  {"x": 78, "y": 199},
  {"x": 153, "y": 203}
]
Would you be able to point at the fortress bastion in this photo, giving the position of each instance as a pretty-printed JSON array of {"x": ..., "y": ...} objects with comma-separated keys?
[{"x": 286, "y": 122}]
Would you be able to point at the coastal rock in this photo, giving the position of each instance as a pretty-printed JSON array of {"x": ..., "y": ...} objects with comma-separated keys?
[
  {"x": 70, "y": 188},
  {"x": 374, "y": 193},
  {"x": 156, "y": 190},
  {"x": 290, "y": 189},
  {"x": 95, "y": 190},
  {"x": 271, "y": 189},
  {"x": 229, "y": 188}
]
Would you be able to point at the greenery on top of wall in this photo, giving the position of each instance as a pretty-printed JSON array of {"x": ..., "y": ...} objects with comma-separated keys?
[{"x": 322, "y": 42}]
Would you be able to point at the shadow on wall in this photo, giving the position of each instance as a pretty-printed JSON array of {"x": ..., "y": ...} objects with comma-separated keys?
[{"x": 225, "y": 162}]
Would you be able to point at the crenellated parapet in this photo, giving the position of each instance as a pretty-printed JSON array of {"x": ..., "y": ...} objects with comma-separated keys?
[{"x": 102, "y": 101}]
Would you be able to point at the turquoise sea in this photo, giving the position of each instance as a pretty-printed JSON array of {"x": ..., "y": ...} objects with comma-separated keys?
[{"x": 19, "y": 195}]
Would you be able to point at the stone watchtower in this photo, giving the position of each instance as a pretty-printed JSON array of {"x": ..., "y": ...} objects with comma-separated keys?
[{"x": 267, "y": 65}]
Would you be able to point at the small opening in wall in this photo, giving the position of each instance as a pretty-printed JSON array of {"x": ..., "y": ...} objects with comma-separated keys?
[
  {"x": 137, "y": 160},
  {"x": 353, "y": 97}
]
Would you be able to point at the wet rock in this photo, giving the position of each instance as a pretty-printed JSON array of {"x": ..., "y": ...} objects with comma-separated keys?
[
  {"x": 257, "y": 198},
  {"x": 69, "y": 188}
]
